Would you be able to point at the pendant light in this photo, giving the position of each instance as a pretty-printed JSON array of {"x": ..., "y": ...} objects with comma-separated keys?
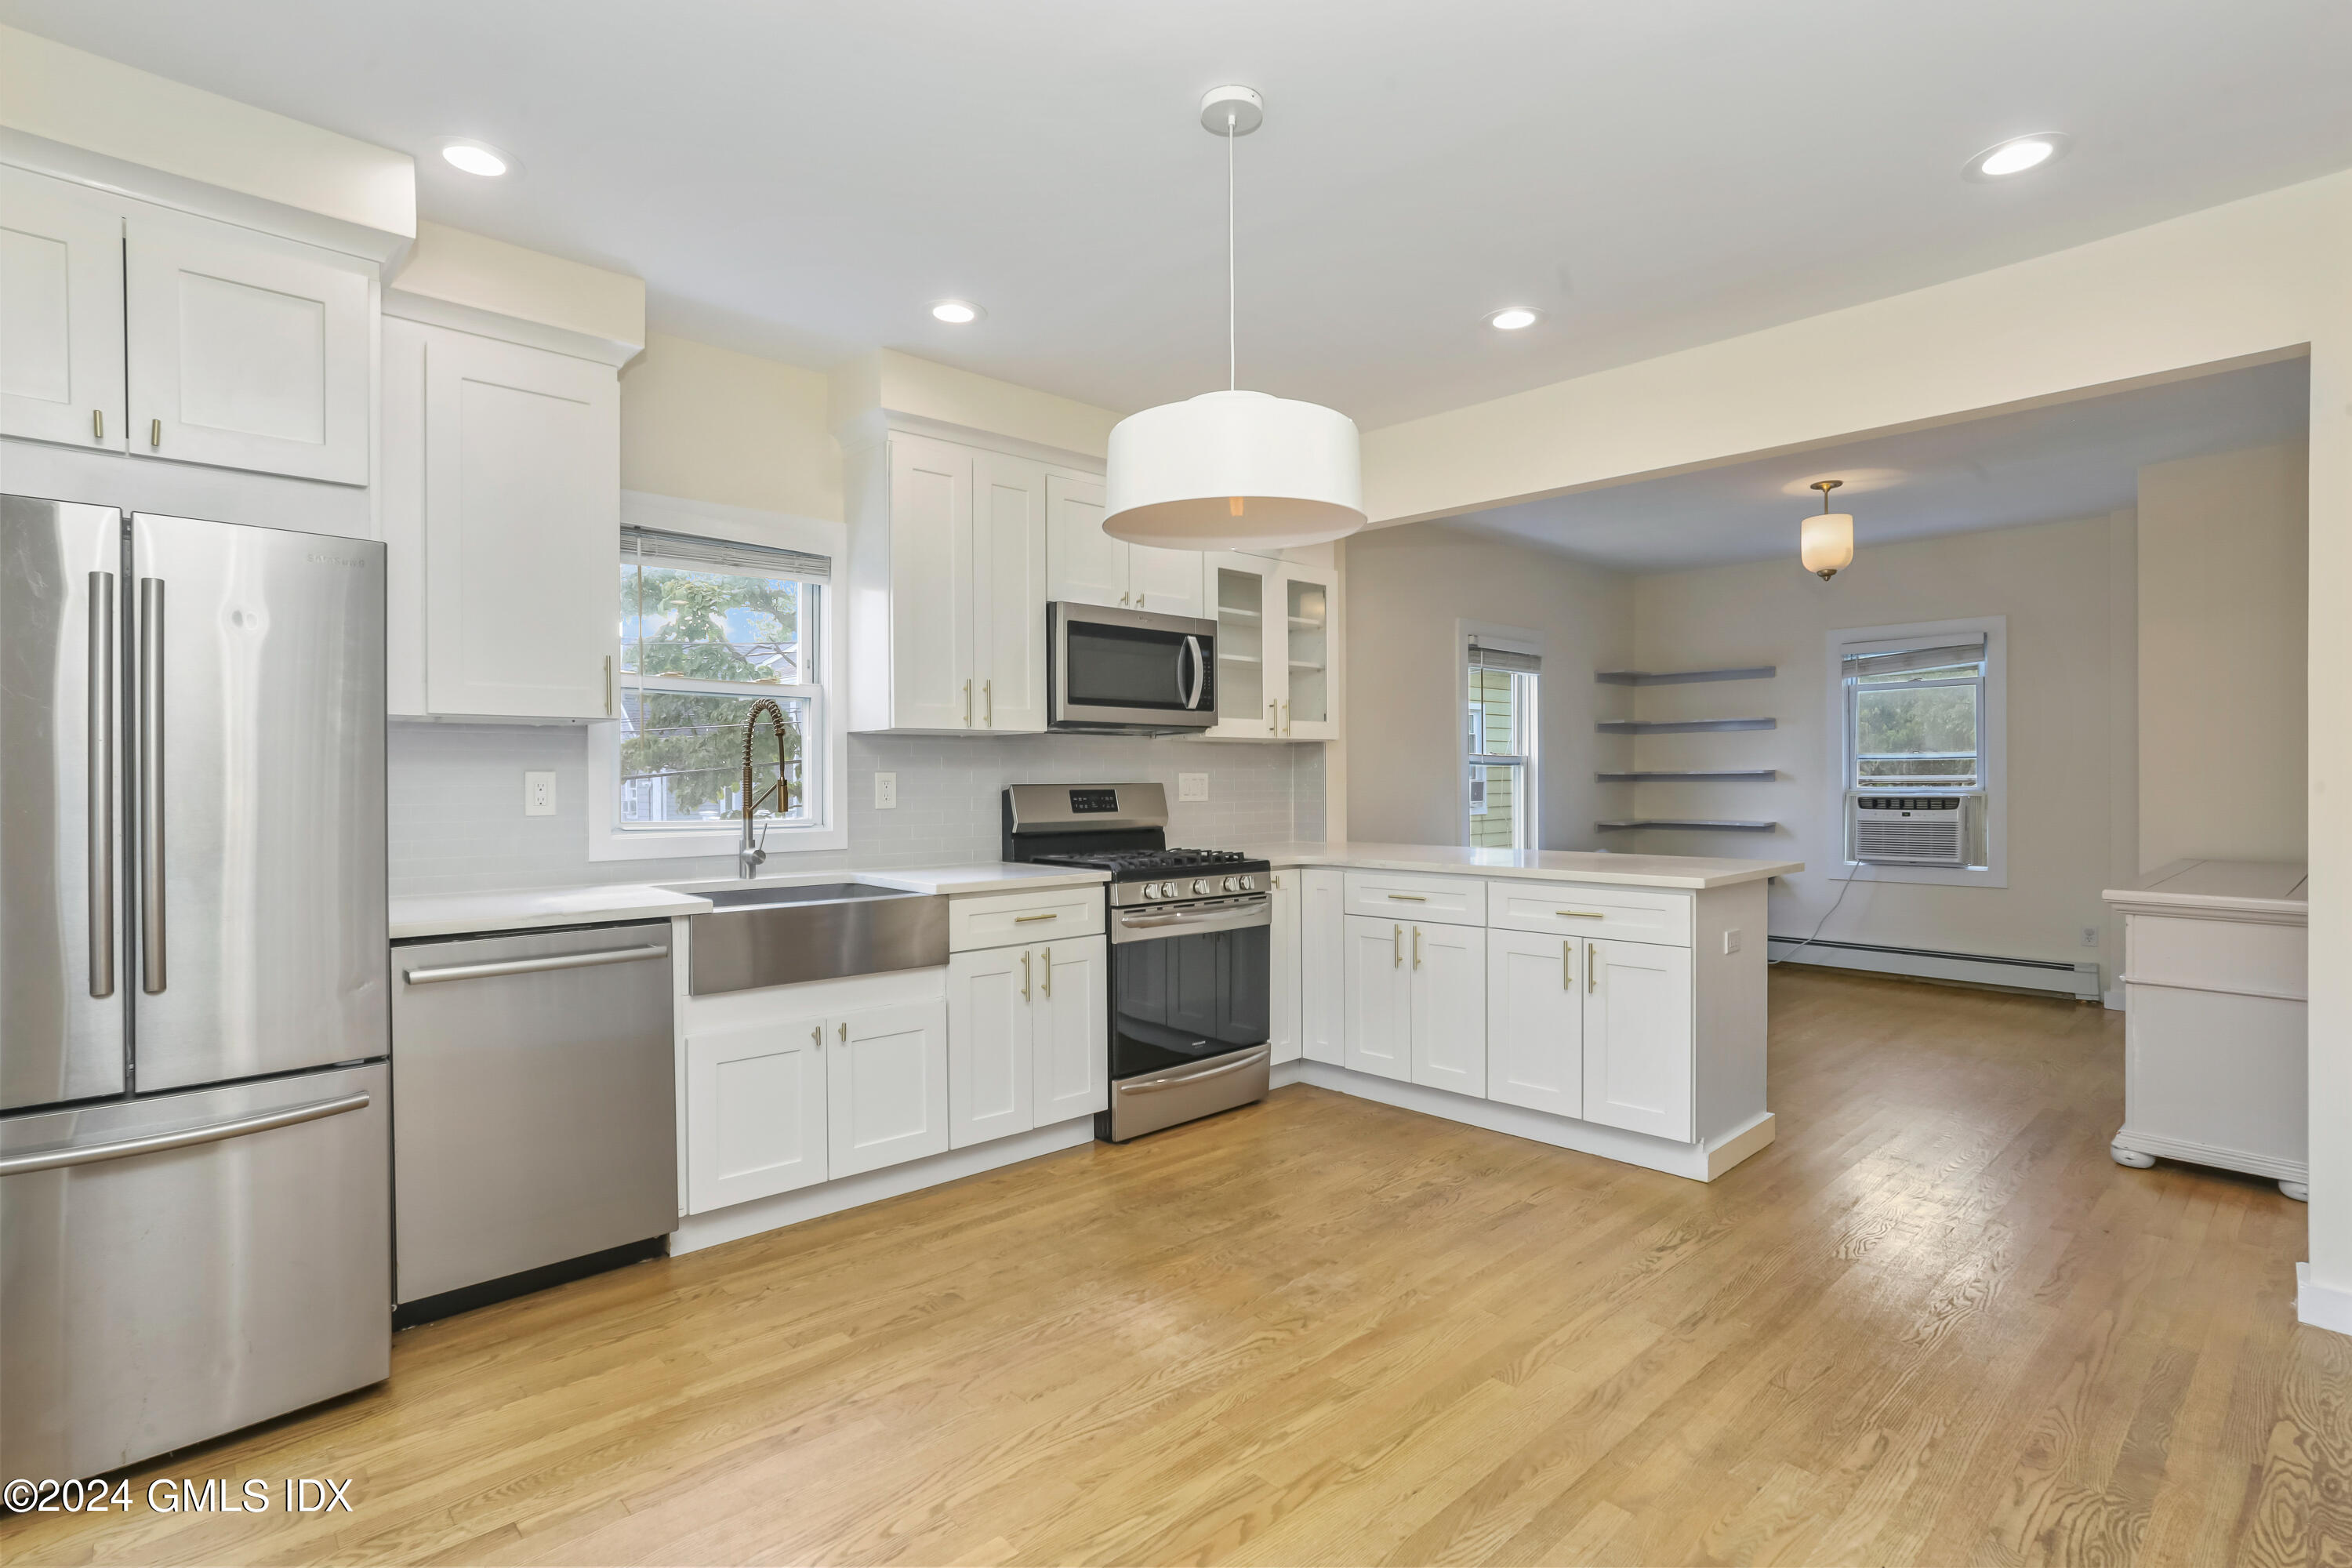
[
  {"x": 1233, "y": 469},
  {"x": 1825, "y": 541}
]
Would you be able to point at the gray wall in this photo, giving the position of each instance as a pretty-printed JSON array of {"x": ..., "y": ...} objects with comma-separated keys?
[
  {"x": 457, "y": 824},
  {"x": 1408, "y": 588}
]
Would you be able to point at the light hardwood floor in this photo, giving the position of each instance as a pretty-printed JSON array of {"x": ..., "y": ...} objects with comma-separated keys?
[{"x": 1932, "y": 1324}]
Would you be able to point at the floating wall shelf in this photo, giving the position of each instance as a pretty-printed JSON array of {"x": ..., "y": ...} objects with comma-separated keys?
[
  {"x": 1694, "y": 824},
  {"x": 1683, "y": 676},
  {"x": 1689, "y": 775},
  {"x": 1679, "y": 726}
]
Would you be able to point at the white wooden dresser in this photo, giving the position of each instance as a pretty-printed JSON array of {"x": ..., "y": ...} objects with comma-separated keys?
[{"x": 2214, "y": 965}]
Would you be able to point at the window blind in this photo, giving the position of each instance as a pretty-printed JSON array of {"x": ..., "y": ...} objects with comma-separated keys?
[
  {"x": 1487, "y": 655},
  {"x": 686, "y": 552},
  {"x": 1873, "y": 661}
]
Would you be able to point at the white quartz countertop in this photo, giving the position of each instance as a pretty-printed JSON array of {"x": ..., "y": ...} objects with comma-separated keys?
[
  {"x": 463, "y": 914},
  {"x": 2220, "y": 887},
  {"x": 1550, "y": 865}
]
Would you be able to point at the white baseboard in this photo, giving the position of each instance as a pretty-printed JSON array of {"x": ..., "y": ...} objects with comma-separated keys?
[
  {"x": 762, "y": 1215},
  {"x": 2080, "y": 981},
  {"x": 2322, "y": 1305},
  {"x": 1697, "y": 1162},
  {"x": 2115, "y": 998}
]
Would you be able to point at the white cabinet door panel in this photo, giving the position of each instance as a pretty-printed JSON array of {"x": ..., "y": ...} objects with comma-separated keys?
[
  {"x": 1164, "y": 582},
  {"x": 1283, "y": 984},
  {"x": 1008, "y": 498},
  {"x": 1638, "y": 1047},
  {"x": 60, "y": 312},
  {"x": 1322, "y": 965},
  {"x": 990, "y": 1072},
  {"x": 755, "y": 1117},
  {"x": 1083, "y": 564},
  {"x": 1380, "y": 998},
  {"x": 930, "y": 604},
  {"x": 1535, "y": 1021},
  {"x": 521, "y": 532},
  {"x": 1304, "y": 638},
  {"x": 886, "y": 1078},
  {"x": 247, "y": 351},
  {"x": 1072, "y": 1053},
  {"x": 1448, "y": 964}
]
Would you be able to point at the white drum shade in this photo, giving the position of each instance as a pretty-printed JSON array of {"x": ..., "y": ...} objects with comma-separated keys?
[
  {"x": 1230, "y": 470},
  {"x": 1825, "y": 543}
]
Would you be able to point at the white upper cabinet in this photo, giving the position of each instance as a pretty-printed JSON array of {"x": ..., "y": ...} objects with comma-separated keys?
[
  {"x": 501, "y": 520},
  {"x": 60, "y": 312},
  {"x": 1087, "y": 567},
  {"x": 245, "y": 351},
  {"x": 1277, "y": 639},
  {"x": 948, "y": 557},
  {"x": 1639, "y": 1051}
]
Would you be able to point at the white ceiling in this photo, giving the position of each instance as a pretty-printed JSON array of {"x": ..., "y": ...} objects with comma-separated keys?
[
  {"x": 802, "y": 180},
  {"x": 2073, "y": 459}
]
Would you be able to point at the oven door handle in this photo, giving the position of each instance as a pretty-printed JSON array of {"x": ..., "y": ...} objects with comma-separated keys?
[
  {"x": 1157, "y": 1085},
  {"x": 1183, "y": 917}
]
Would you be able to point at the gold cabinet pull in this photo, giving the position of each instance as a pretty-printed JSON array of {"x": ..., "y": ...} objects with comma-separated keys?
[
  {"x": 1048, "y": 986},
  {"x": 1396, "y": 947},
  {"x": 1122, "y": 598},
  {"x": 988, "y": 695},
  {"x": 1580, "y": 914},
  {"x": 1024, "y": 920},
  {"x": 1024, "y": 975},
  {"x": 1416, "y": 947},
  {"x": 608, "y": 686},
  {"x": 1410, "y": 898},
  {"x": 1591, "y": 971},
  {"x": 845, "y": 1034},
  {"x": 1568, "y": 964},
  {"x": 154, "y": 432},
  {"x": 967, "y": 704},
  {"x": 98, "y": 423},
  {"x": 817, "y": 1034},
  {"x": 1138, "y": 601}
]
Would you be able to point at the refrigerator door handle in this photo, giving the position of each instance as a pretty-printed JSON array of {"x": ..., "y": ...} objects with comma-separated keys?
[
  {"x": 100, "y": 784},
  {"x": 154, "y": 975},
  {"x": 156, "y": 1142}
]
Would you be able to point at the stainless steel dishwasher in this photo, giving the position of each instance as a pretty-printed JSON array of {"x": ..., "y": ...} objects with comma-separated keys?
[{"x": 534, "y": 1110}]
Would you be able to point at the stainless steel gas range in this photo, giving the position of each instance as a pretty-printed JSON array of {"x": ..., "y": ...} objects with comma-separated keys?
[{"x": 1190, "y": 948}]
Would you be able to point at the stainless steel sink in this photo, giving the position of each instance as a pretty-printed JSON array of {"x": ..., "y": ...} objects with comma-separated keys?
[{"x": 785, "y": 935}]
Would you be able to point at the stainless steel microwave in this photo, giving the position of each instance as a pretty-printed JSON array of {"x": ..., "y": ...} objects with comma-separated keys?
[{"x": 1129, "y": 671}]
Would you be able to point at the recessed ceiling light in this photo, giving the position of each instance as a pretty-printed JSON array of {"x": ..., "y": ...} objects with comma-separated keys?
[
  {"x": 1512, "y": 317},
  {"x": 2016, "y": 156},
  {"x": 476, "y": 157},
  {"x": 957, "y": 312}
]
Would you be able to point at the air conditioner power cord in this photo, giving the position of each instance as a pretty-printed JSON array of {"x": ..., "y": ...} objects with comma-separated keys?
[{"x": 1819, "y": 925}]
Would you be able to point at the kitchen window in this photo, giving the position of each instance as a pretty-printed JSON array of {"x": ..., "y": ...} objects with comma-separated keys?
[
  {"x": 709, "y": 628},
  {"x": 1500, "y": 745},
  {"x": 1919, "y": 710}
]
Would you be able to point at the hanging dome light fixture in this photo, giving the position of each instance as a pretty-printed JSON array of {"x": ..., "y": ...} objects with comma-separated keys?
[
  {"x": 1232, "y": 469},
  {"x": 1825, "y": 541}
]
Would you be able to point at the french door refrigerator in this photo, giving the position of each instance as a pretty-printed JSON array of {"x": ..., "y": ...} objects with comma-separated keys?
[{"x": 194, "y": 1116}]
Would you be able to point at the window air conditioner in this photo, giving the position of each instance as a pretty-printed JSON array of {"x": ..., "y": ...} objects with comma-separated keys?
[{"x": 1910, "y": 829}]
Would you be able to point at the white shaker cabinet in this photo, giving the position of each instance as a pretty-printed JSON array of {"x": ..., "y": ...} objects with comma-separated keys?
[
  {"x": 1535, "y": 1021},
  {"x": 1322, "y": 964},
  {"x": 245, "y": 351},
  {"x": 755, "y": 1111},
  {"x": 1638, "y": 1041},
  {"x": 1028, "y": 1037},
  {"x": 1277, "y": 638},
  {"x": 1448, "y": 973},
  {"x": 1283, "y": 982},
  {"x": 60, "y": 312},
  {"x": 886, "y": 1086},
  {"x": 1085, "y": 565},
  {"x": 501, "y": 516},
  {"x": 1378, "y": 1012},
  {"x": 947, "y": 547}
]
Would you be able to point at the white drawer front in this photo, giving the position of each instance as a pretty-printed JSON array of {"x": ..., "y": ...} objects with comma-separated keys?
[
  {"x": 1408, "y": 896},
  {"x": 1000, "y": 919},
  {"x": 1615, "y": 914},
  {"x": 2217, "y": 955}
]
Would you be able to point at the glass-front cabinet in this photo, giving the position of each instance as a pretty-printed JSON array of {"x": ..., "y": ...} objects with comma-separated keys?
[{"x": 1276, "y": 638}]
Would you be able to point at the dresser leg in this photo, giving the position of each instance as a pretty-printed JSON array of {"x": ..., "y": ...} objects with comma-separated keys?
[
  {"x": 2132, "y": 1157},
  {"x": 2299, "y": 1191}
]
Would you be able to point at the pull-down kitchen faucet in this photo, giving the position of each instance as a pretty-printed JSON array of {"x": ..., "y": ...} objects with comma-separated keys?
[{"x": 749, "y": 858}]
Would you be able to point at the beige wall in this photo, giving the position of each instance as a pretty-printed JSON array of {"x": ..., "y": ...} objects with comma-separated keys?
[
  {"x": 2223, "y": 546},
  {"x": 711, "y": 425},
  {"x": 2070, "y": 769},
  {"x": 1407, "y": 589}
]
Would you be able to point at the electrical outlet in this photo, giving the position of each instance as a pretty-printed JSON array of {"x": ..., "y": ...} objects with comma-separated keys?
[
  {"x": 539, "y": 794},
  {"x": 2090, "y": 936},
  {"x": 1731, "y": 939},
  {"x": 1192, "y": 786},
  {"x": 886, "y": 792}
]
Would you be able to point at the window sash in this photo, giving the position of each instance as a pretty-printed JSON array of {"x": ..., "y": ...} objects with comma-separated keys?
[{"x": 1973, "y": 779}]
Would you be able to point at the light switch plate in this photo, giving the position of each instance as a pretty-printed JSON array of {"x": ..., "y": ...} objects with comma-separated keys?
[
  {"x": 539, "y": 794},
  {"x": 886, "y": 792},
  {"x": 1192, "y": 786},
  {"x": 1731, "y": 939}
]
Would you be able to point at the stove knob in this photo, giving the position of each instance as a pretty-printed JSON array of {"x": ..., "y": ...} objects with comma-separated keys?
[
  {"x": 1155, "y": 890},
  {"x": 1232, "y": 884},
  {"x": 1200, "y": 885},
  {"x": 1249, "y": 884}
]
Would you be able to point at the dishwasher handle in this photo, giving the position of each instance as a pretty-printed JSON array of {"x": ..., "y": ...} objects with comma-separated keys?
[{"x": 532, "y": 965}]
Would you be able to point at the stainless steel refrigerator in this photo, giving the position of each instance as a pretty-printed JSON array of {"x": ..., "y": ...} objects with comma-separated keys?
[{"x": 195, "y": 1115}]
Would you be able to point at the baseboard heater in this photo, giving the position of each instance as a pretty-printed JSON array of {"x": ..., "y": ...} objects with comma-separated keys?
[{"x": 2080, "y": 981}]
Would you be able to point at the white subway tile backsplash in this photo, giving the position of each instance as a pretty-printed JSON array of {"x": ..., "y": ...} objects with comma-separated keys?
[{"x": 457, "y": 821}]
